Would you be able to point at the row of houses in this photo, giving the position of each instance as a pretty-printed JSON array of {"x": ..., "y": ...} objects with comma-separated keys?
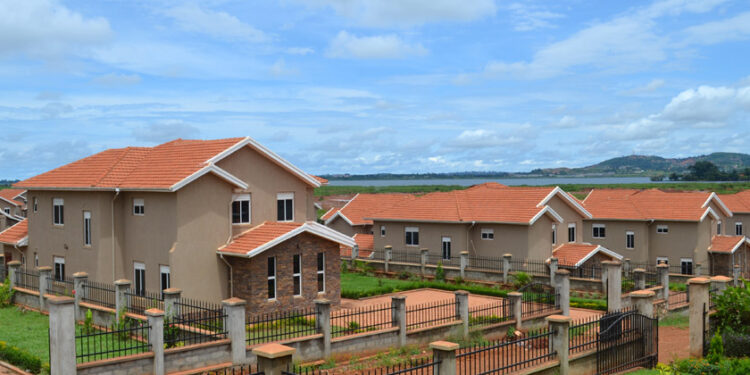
[{"x": 488, "y": 220}]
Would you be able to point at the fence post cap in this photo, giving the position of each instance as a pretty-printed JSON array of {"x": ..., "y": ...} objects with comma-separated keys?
[
  {"x": 662, "y": 265},
  {"x": 171, "y": 291},
  {"x": 558, "y": 319},
  {"x": 44, "y": 269},
  {"x": 234, "y": 301},
  {"x": 563, "y": 272},
  {"x": 507, "y": 255},
  {"x": 611, "y": 263},
  {"x": 80, "y": 275},
  {"x": 626, "y": 260},
  {"x": 322, "y": 301},
  {"x": 154, "y": 312},
  {"x": 398, "y": 298},
  {"x": 736, "y": 266},
  {"x": 461, "y": 293},
  {"x": 444, "y": 345},
  {"x": 14, "y": 263},
  {"x": 273, "y": 351},
  {"x": 639, "y": 270},
  {"x": 122, "y": 282},
  {"x": 642, "y": 294},
  {"x": 699, "y": 280},
  {"x": 464, "y": 252},
  {"x": 388, "y": 247},
  {"x": 515, "y": 294},
  {"x": 721, "y": 279},
  {"x": 60, "y": 300}
]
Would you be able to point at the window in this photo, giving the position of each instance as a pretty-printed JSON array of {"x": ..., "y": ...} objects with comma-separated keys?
[
  {"x": 271, "y": 277},
  {"x": 629, "y": 240},
  {"x": 164, "y": 278},
  {"x": 554, "y": 234},
  {"x": 488, "y": 234},
  {"x": 321, "y": 272},
  {"x": 571, "y": 232},
  {"x": 598, "y": 230},
  {"x": 139, "y": 207},
  {"x": 7, "y": 210},
  {"x": 59, "y": 268},
  {"x": 446, "y": 248},
  {"x": 738, "y": 229},
  {"x": 297, "y": 274},
  {"x": 662, "y": 229},
  {"x": 382, "y": 231},
  {"x": 241, "y": 209},
  {"x": 686, "y": 266},
  {"x": 718, "y": 227},
  {"x": 58, "y": 211},
  {"x": 86, "y": 228},
  {"x": 285, "y": 206},
  {"x": 139, "y": 277},
  {"x": 662, "y": 260},
  {"x": 412, "y": 236},
  {"x": 35, "y": 204}
]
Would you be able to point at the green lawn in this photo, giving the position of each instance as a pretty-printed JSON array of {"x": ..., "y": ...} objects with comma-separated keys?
[
  {"x": 26, "y": 330},
  {"x": 675, "y": 320}
]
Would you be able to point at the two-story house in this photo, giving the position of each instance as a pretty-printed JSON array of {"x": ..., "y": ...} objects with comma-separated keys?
[
  {"x": 216, "y": 218},
  {"x": 12, "y": 207},
  {"x": 13, "y": 241},
  {"x": 653, "y": 226},
  {"x": 739, "y": 204},
  {"x": 487, "y": 220}
]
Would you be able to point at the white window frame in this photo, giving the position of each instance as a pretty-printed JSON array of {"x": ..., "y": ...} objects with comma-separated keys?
[
  {"x": 139, "y": 207},
  {"x": 321, "y": 271},
  {"x": 61, "y": 262},
  {"x": 664, "y": 260},
  {"x": 7, "y": 210},
  {"x": 272, "y": 278},
  {"x": 443, "y": 241},
  {"x": 87, "y": 228},
  {"x": 162, "y": 271},
  {"x": 554, "y": 234},
  {"x": 692, "y": 265},
  {"x": 488, "y": 234},
  {"x": 242, "y": 198},
  {"x": 718, "y": 227},
  {"x": 738, "y": 228},
  {"x": 297, "y": 275},
  {"x": 284, "y": 197},
  {"x": 139, "y": 288},
  {"x": 36, "y": 260},
  {"x": 58, "y": 202},
  {"x": 573, "y": 226},
  {"x": 412, "y": 230},
  {"x": 628, "y": 234},
  {"x": 662, "y": 229},
  {"x": 36, "y": 204},
  {"x": 382, "y": 231},
  {"x": 598, "y": 231}
]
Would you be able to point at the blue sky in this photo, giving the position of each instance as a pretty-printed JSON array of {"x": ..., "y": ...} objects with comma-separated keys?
[{"x": 367, "y": 86}]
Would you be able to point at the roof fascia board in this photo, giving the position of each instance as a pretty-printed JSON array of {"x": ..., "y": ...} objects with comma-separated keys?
[
  {"x": 326, "y": 213},
  {"x": 709, "y": 211},
  {"x": 391, "y": 220},
  {"x": 313, "y": 228},
  {"x": 598, "y": 248},
  {"x": 567, "y": 198},
  {"x": 11, "y": 202},
  {"x": 546, "y": 210},
  {"x": 224, "y": 175},
  {"x": 341, "y": 214},
  {"x": 721, "y": 204}
]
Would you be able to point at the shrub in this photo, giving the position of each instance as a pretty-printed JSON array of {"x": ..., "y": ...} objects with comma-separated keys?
[
  {"x": 20, "y": 358},
  {"x": 733, "y": 309},
  {"x": 171, "y": 334},
  {"x": 459, "y": 280},
  {"x": 88, "y": 321},
  {"x": 736, "y": 344},
  {"x": 521, "y": 279},
  {"x": 440, "y": 272},
  {"x": 404, "y": 275},
  {"x": 715, "y": 349},
  {"x": 628, "y": 285},
  {"x": 6, "y": 293},
  {"x": 677, "y": 287}
]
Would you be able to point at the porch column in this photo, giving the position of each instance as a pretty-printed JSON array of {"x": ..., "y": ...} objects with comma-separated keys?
[
  {"x": 387, "y": 258},
  {"x": 639, "y": 276},
  {"x": 462, "y": 310},
  {"x": 79, "y": 289},
  {"x": 552, "y": 269},
  {"x": 698, "y": 289},
  {"x": 274, "y": 359},
  {"x": 506, "y": 267},
  {"x": 464, "y": 263},
  {"x": 14, "y": 267},
  {"x": 663, "y": 271},
  {"x": 516, "y": 299},
  {"x": 44, "y": 280},
  {"x": 614, "y": 284},
  {"x": 559, "y": 327},
  {"x": 156, "y": 338},
  {"x": 423, "y": 252},
  {"x": 398, "y": 317},
  {"x": 445, "y": 352},
  {"x": 562, "y": 288},
  {"x": 2, "y": 268},
  {"x": 323, "y": 323},
  {"x": 736, "y": 273},
  {"x": 121, "y": 300},
  {"x": 62, "y": 334}
]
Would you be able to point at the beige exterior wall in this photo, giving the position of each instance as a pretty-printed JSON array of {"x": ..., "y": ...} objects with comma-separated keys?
[
  {"x": 540, "y": 239},
  {"x": 509, "y": 239},
  {"x": 570, "y": 216},
  {"x": 614, "y": 239},
  {"x": 14, "y": 210},
  {"x": 342, "y": 226},
  {"x": 684, "y": 240},
  {"x": 430, "y": 237},
  {"x": 743, "y": 218}
]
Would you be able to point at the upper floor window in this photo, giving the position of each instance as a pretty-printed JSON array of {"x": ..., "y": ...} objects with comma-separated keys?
[
  {"x": 629, "y": 240},
  {"x": 86, "y": 228},
  {"x": 7, "y": 210},
  {"x": 718, "y": 227},
  {"x": 139, "y": 278},
  {"x": 321, "y": 272},
  {"x": 58, "y": 211},
  {"x": 165, "y": 279},
  {"x": 271, "y": 277},
  {"x": 285, "y": 206},
  {"x": 571, "y": 232},
  {"x": 554, "y": 234},
  {"x": 35, "y": 204},
  {"x": 738, "y": 229},
  {"x": 241, "y": 209},
  {"x": 139, "y": 207},
  {"x": 662, "y": 229},
  {"x": 59, "y": 268},
  {"x": 412, "y": 236},
  {"x": 598, "y": 230},
  {"x": 297, "y": 274},
  {"x": 686, "y": 266},
  {"x": 488, "y": 234},
  {"x": 382, "y": 231}
]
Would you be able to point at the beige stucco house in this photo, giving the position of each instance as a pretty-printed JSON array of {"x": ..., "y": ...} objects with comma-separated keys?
[
  {"x": 12, "y": 207},
  {"x": 353, "y": 219},
  {"x": 160, "y": 215}
]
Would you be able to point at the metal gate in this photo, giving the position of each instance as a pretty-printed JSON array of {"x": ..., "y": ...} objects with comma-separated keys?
[{"x": 627, "y": 340}]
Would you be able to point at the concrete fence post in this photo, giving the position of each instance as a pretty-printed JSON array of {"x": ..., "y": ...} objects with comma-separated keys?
[
  {"x": 171, "y": 309},
  {"x": 698, "y": 269},
  {"x": 79, "y": 291},
  {"x": 639, "y": 276},
  {"x": 423, "y": 253},
  {"x": 698, "y": 289},
  {"x": 736, "y": 272},
  {"x": 506, "y": 267},
  {"x": 663, "y": 272},
  {"x": 516, "y": 300},
  {"x": 643, "y": 300},
  {"x": 614, "y": 284},
  {"x": 462, "y": 310},
  {"x": 387, "y": 258},
  {"x": 355, "y": 252},
  {"x": 323, "y": 323},
  {"x": 156, "y": 338},
  {"x": 14, "y": 267},
  {"x": 398, "y": 317},
  {"x": 234, "y": 308},
  {"x": 562, "y": 289},
  {"x": 464, "y": 263},
  {"x": 720, "y": 282},
  {"x": 62, "y": 336},
  {"x": 445, "y": 352},
  {"x": 553, "y": 265},
  {"x": 121, "y": 299},
  {"x": 44, "y": 280},
  {"x": 626, "y": 265},
  {"x": 559, "y": 327},
  {"x": 274, "y": 359}
]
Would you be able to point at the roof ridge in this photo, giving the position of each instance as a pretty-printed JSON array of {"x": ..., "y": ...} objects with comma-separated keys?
[{"x": 149, "y": 149}]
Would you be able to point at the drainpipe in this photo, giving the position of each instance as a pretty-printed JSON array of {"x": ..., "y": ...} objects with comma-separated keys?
[
  {"x": 468, "y": 237},
  {"x": 117, "y": 193},
  {"x": 231, "y": 281}
]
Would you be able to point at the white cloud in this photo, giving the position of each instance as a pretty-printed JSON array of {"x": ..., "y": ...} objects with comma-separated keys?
[
  {"x": 404, "y": 13},
  {"x": 279, "y": 69},
  {"x": 47, "y": 29},
  {"x": 730, "y": 29},
  {"x": 221, "y": 25},
  {"x": 165, "y": 130},
  {"x": 389, "y": 46},
  {"x": 300, "y": 51},
  {"x": 526, "y": 17},
  {"x": 114, "y": 79}
]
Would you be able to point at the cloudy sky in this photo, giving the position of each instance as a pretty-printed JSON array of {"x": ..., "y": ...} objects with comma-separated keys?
[{"x": 366, "y": 86}]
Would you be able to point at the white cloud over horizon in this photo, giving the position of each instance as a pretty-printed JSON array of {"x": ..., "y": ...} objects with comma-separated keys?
[{"x": 389, "y": 46}]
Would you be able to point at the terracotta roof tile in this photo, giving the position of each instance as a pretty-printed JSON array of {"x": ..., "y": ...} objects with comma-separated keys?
[
  {"x": 15, "y": 234},
  {"x": 569, "y": 254},
  {"x": 651, "y": 204},
  {"x": 322, "y": 180},
  {"x": 259, "y": 235},
  {"x": 329, "y": 213},
  {"x": 363, "y": 206},
  {"x": 365, "y": 242},
  {"x": 737, "y": 202},
  {"x": 725, "y": 244},
  {"x": 10, "y": 195}
]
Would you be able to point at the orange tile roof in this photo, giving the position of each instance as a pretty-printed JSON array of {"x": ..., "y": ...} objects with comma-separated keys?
[
  {"x": 15, "y": 234},
  {"x": 726, "y": 244},
  {"x": 322, "y": 180},
  {"x": 257, "y": 236},
  {"x": 363, "y": 206},
  {"x": 9, "y": 195},
  {"x": 329, "y": 213},
  {"x": 365, "y": 242},
  {"x": 490, "y": 202},
  {"x": 651, "y": 204},
  {"x": 570, "y": 254},
  {"x": 737, "y": 202}
]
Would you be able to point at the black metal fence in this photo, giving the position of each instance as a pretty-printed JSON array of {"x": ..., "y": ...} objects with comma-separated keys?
[
  {"x": 27, "y": 279},
  {"x": 139, "y": 303},
  {"x": 626, "y": 340},
  {"x": 98, "y": 293},
  {"x": 3, "y": 272},
  {"x": 406, "y": 256},
  {"x": 679, "y": 270},
  {"x": 235, "y": 370},
  {"x": 60, "y": 287},
  {"x": 196, "y": 322},
  {"x": 712, "y": 297},
  {"x": 502, "y": 357},
  {"x": 583, "y": 334},
  {"x": 491, "y": 313},
  {"x": 538, "y": 298},
  {"x": 482, "y": 263},
  {"x": 431, "y": 313},
  {"x": 280, "y": 325},
  {"x": 534, "y": 267},
  {"x": 371, "y": 318},
  {"x": 585, "y": 271},
  {"x": 433, "y": 259},
  {"x": 412, "y": 366},
  {"x": 93, "y": 344}
]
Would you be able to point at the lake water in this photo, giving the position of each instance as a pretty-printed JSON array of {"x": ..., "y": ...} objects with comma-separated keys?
[{"x": 504, "y": 181}]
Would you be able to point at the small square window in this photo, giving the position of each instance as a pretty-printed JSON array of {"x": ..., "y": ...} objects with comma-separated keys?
[
  {"x": 382, "y": 231},
  {"x": 738, "y": 229},
  {"x": 412, "y": 236},
  {"x": 488, "y": 234},
  {"x": 139, "y": 207},
  {"x": 662, "y": 229},
  {"x": 598, "y": 230},
  {"x": 241, "y": 209}
]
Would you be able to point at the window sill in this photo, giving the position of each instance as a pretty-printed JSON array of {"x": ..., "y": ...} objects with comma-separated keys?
[{"x": 240, "y": 224}]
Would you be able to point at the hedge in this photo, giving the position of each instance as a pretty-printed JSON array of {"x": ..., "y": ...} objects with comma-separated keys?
[{"x": 21, "y": 358}]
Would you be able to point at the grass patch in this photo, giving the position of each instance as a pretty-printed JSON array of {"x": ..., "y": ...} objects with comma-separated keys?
[
  {"x": 27, "y": 330},
  {"x": 675, "y": 320}
]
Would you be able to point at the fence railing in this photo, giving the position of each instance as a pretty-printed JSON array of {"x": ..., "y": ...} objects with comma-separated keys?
[
  {"x": 433, "y": 260},
  {"x": 495, "y": 312},
  {"x": 679, "y": 298},
  {"x": 280, "y": 325},
  {"x": 712, "y": 297},
  {"x": 502, "y": 357},
  {"x": 482, "y": 263},
  {"x": 3, "y": 272},
  {"x": 138, "y": 303},
  {"x": 364, "y": 319},
  {"x": 584, "y": 272},
  {"x": 582, "y": 334},
  {"x": 93, "y": 344},
  {"x": 534, "y": 267},
  {"x": 60, "y": 287},
  {"x": 27, "y": 279},
  {"x": 412, "y": 366},
  {"x": 99, "y": 294},
  {"x": 431, "y": 313},
  {"x": 406, "y": 256},
  {"x": 196, "y": 322},
  {"x": 536, "y": 302}
]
